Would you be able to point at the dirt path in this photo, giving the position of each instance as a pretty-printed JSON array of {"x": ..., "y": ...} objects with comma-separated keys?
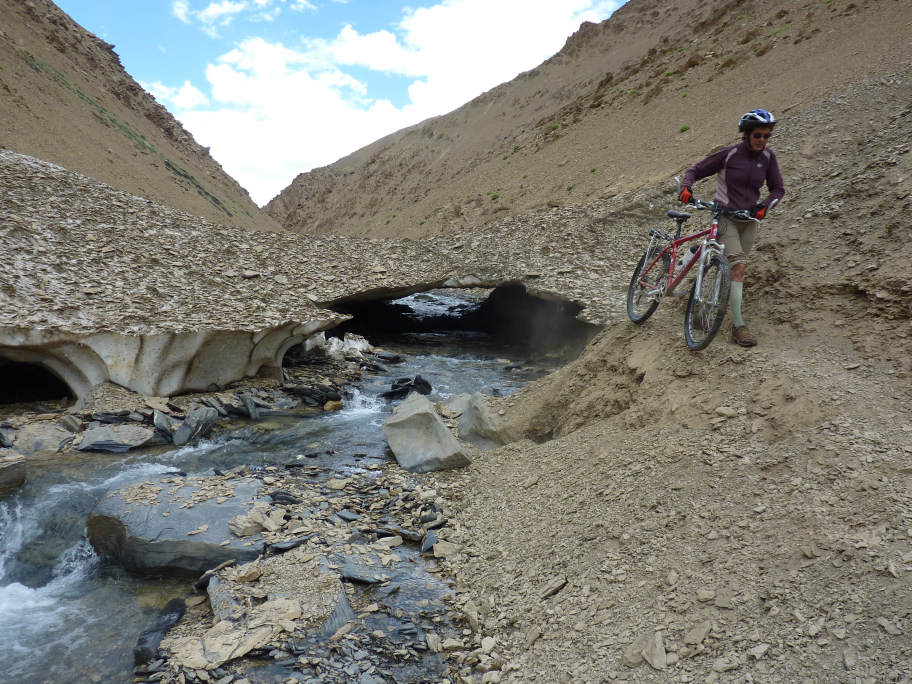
[{"x": 744, "y": 514}]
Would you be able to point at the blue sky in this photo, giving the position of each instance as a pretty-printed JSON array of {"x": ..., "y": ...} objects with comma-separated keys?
[{"x": 278, "y": 87}]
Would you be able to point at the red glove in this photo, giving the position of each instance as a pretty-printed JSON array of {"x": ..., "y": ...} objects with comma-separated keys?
[
  {"x": 758, "y": 211},
  {"x": 686, "y": 195}
]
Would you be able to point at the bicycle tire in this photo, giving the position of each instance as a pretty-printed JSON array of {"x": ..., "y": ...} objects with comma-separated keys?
[
  {"x": 706, "y": 310},
  {"x": 640, "y": 305}
]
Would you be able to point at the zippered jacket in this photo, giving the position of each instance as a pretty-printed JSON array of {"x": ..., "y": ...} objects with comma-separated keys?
[{"x": 742, "y": 172}]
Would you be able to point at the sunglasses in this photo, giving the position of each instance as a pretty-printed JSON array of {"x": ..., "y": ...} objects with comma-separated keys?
[{"x": 761, "y": 136}]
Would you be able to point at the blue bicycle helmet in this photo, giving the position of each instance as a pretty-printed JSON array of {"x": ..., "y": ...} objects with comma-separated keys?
[{"x": 754, "y": 118}]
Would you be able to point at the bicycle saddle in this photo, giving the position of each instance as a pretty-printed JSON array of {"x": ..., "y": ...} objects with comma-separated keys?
[{"x": 678, "y": 215}]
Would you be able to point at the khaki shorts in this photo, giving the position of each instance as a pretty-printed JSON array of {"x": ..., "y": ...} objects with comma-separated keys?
[{"x": 738, "y": 238}]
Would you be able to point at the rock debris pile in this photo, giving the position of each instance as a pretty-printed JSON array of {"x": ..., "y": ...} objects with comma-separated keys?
[{"x": 331, "y": 586}]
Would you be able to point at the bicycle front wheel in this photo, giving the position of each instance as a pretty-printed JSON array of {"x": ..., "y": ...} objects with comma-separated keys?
[
  {"x": 706, "y": 308},
  {"x": 642, "y": 295}
]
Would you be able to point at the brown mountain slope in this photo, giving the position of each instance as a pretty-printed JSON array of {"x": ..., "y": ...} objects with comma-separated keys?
[
  {"x": 624, "y": 103},
  {"x": 65, "y": 98},
  {"x": 733, "y": 515}
]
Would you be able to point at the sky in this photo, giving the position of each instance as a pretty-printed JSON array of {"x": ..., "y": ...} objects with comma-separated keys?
[{"x": 278, "y": 87}]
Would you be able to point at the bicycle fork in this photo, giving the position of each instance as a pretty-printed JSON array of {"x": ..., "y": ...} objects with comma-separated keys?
[{"x": 710, "y": 248}]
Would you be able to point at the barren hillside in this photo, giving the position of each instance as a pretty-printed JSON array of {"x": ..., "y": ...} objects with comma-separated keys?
[
  {"x": 656, "y": 515},
  {"x": 624, "y": 103},
  {"x": 65, "y": 98},
  {"x": 733, "y": 515}
]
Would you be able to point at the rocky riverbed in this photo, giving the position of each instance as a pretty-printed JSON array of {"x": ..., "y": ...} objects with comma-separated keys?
[
  {"x": 307, "y": 552},
  {"x": 342, "y": 592}
]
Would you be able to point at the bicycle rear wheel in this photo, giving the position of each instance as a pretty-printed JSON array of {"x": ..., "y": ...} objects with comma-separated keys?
[
  {"x": 706, "y": 308},
  {"x": 642, "y": 299}
]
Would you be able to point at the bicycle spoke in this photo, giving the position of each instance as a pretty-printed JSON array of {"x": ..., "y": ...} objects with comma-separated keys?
[
  {"x": 646, "y": 285},
  {"x": 707, "y": 305}
]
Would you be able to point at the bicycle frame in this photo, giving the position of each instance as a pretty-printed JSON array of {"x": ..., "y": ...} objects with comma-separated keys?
[{"x": 705, "y": 250}]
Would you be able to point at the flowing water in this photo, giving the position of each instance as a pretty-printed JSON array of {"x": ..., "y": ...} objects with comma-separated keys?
[{"x": 66, "y": 616}]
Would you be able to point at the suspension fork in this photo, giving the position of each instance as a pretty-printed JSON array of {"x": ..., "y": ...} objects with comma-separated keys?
[{"x": 710, "y": 248}]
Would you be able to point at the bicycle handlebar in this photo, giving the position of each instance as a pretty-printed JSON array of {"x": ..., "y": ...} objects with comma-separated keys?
[{"x": 740, "y": 214}]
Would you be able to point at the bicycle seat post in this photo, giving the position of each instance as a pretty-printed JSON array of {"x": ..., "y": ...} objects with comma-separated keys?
[
  {"x": 679, "y": 217},
  {"x": 680, "y": 222}
]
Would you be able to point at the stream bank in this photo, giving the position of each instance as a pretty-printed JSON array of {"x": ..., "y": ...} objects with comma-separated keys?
[{"x": 377, "y": 502}]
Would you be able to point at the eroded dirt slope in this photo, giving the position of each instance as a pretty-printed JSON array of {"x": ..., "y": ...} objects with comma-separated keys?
[
  {"x": 734, "y": 515},
  {"x": 65, "y": 98}
]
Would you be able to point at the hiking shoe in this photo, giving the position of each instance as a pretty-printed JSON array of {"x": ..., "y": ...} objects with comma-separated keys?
[{"x": 741, "y": 335}]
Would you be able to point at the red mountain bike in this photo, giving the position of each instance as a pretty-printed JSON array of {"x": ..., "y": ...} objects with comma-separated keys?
[{"x": 665, "y": 264}]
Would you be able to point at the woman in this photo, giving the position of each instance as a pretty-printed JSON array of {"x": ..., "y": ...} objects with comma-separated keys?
[{"x": 742, "y": 170}]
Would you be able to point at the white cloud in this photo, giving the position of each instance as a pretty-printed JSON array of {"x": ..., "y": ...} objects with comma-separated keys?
[
  {"x": 159, "y": 91},
  {"x": 181, "y": 10},
  {"x": 220, "y": 11},
  {"x": 380, "y": 51},
  {"x": 188, "y": 97},
  {"x": 266, "y": 15},
  {"x": 277, "y": 118},
  {"x": 302, "y": 6},
  {"x": 463, "y": 47},
  {"x": 275, "y": 111}
]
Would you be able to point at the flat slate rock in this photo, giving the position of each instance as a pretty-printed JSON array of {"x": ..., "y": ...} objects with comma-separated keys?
[
  {"x": 41, "y": 438},
  {"x": 12, "y": 475},
  {"x": 129, "y": 525},
  {"x": 352, "y": 569},
  {"x": 304, "y": 597},
  {"x": 115, "y": 438}
]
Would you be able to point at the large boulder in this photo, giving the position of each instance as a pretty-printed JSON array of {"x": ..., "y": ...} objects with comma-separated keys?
[
  {"x": 115, "y": 438},
  {"x": 41, "y": 438},
  {"x": 478, "y": 424},
  {"x": 12, "y": 473},
  {"x": 419, "y": 439},
  {"x": 175, "y": 525}
]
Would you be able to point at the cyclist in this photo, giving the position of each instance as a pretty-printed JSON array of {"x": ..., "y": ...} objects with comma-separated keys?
[{"x": 741, "y": 170}]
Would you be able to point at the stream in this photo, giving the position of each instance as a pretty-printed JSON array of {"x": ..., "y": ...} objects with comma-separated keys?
[{"x": 67, "y": 616}]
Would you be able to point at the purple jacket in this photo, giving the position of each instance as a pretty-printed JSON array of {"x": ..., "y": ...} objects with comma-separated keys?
[{"x": 742, "y": 172}]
